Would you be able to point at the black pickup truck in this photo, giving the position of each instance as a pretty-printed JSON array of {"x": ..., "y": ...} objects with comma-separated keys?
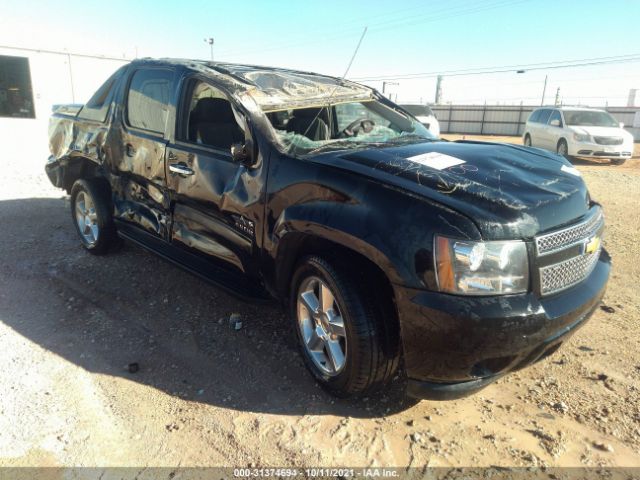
[{"x": 453, "y": 263}]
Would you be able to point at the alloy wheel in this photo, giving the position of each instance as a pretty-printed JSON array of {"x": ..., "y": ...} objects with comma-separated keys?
[
  {"x": 562, "y": 149},
  {"x": 321, "y": 326},
  {"x": 86, "y": 218}
]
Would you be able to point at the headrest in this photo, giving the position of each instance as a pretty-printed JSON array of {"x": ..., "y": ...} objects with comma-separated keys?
[
  {"x": 213, "y": 110},
  {"x": 307, "y": 112}
]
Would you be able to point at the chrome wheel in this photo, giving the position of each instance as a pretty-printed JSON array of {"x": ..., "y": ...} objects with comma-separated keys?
[
  {"x": 86, "y": 218},
  {"x": 321, "y": 326}
]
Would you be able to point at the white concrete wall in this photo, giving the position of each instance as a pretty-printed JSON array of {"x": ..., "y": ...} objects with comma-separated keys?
[{"x": 51, "y": 84}]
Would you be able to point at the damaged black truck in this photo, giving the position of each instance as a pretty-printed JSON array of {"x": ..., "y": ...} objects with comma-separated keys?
[{"x": 452, "y": 263}]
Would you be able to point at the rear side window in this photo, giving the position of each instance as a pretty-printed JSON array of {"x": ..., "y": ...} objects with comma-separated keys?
[
  {"x": 98, "y": 105},
  {"x": 535, "y": 116},
  {"x": 545, "y": 113},
  {"x": 148, "y": 99}
]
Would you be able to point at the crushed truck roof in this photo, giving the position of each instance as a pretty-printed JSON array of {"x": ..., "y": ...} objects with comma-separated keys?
[{"x": 278, "y": 88}]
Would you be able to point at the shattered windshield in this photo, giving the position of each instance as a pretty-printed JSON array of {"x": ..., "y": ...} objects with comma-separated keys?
[{"x": 346, "y": 125}]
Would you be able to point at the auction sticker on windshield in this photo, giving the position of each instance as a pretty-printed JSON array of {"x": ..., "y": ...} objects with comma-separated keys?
[{"x": 436, "y": 160}]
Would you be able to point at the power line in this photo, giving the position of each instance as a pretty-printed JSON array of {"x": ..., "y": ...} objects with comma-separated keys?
[
  {"x": 64, "y": 52},
  {"x": 509, "y": 68},
  {"x": 389, "y": 24}
]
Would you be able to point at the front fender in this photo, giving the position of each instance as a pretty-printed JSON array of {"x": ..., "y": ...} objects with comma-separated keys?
[{"x": 340, "y": 224}]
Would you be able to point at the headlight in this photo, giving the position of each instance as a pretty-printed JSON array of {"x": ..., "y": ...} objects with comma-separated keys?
[
  {"x": 481, "y": 268},
  {"x": 582, "y": 137}
]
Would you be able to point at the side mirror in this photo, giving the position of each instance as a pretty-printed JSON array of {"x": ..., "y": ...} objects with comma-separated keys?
[
  {"x": 242, "y": 153},
  {"x": 621, "y": 124},
  {"x": 554, "y": 123}
]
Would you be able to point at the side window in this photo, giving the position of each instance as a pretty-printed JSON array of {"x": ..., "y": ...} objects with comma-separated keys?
[
  {"x": 545, "y": 113},
  {"x": 534, "y": 116},
  {"x": 98, "y": 105},
  {"x": 148, "y": 99},
  {"x": 210, "y": 119},
  {"x": 555, "y": 115}
]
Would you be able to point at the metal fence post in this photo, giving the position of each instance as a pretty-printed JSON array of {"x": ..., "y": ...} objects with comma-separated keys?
[
  {"x": 519, "y": 120},
  {"x": 484, "y": 112},
  {"x": 449, "y": 119}
]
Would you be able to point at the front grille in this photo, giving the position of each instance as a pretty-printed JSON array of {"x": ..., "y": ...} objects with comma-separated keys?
[
  {"x": 564, "y": 238},
  {"x": 608, "y": 140},
  {"x": 566, "y": 270},
  {"x": 566, "y": 274}
]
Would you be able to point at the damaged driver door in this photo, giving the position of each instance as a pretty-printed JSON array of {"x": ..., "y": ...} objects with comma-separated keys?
[{"x": 215, "y": 200}]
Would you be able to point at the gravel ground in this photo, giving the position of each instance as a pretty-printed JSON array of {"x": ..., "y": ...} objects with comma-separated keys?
[{"x": 207, "y": 395}]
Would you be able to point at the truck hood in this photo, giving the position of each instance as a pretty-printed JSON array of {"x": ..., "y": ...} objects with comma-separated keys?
[
  {"x": 508, "y": 191},
  {"x": 600, "y": 131}
]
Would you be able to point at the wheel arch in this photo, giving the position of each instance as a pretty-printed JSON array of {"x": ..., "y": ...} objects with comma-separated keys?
[
  {"x": 76, "y": 168},
  {"x": 368, "y": 272}
]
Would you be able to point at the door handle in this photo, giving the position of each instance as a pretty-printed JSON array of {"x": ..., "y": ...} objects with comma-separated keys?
[
  {"x": 130, "y": 150},
  {"x": 180, "y": 169}
]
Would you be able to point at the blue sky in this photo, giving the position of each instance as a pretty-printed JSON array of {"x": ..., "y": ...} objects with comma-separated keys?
[{"x": 403, "y": 37}]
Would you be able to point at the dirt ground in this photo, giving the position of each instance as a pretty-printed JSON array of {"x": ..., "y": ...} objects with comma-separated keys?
[{"x": 207, "y": 395}]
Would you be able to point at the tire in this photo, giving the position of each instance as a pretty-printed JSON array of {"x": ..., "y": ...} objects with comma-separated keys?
[
  {"x": 527, "y": 140},
  {"x": 618, "y": 161},
  {"x": 365, "y": 365},
  {"x": 91, "y": 214},
  {"x": 562, "y": 149}
]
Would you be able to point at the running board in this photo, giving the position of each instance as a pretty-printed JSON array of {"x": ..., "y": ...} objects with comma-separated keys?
[{"x": 234, "y": 283}]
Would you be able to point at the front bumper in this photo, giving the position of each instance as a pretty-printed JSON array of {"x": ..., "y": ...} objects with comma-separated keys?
[
  {"x": 455, "y": 345},
  {"x": 595, "y": 150}
]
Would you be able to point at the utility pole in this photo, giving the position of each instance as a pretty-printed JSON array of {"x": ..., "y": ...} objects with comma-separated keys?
[
  {"x": 557, "y": 102},
  {"x": 73, "y": 92},
  {"x": 544, "y": 89},
  {"x": 384, "y": 86},
  {"x": 210, "y": 42},
  {"x": 439, "y": 90}
]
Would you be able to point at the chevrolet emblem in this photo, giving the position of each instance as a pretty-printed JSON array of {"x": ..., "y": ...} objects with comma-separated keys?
[{"x": 591, "y": 245}]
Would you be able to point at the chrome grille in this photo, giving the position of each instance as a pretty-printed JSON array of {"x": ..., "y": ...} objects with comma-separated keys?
[
  {"x": 608, "y": 140},
  {"x": 566, "y": 274},
  {"x": 569, "y": 271},
  {"x": 554, "y": 241}
]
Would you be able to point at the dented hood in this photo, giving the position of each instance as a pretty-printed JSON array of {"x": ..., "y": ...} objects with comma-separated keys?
[{"x": 510, "y": 192}]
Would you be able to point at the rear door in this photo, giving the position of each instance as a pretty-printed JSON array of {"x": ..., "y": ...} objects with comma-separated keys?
[
  {"x": 216, "y": 202},
  {"x": 141, "y": 200},
  {"x": 531, "y": 127}
]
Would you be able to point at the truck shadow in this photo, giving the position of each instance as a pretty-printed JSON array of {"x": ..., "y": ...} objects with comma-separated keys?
[{"x": 131, "y": 314}]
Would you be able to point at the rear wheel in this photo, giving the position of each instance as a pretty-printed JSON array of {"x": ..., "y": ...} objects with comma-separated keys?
[
  {"x": 338, "y": 329},
  {"x": 91, "y": 213},
  {"x": 618, "y": 161},
  {"x": 527, "y": 140}
]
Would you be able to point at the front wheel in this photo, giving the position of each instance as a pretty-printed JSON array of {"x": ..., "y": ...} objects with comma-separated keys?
[
  {"x": 527, "y": 140},
  {"x": 91, "y": 213},
  {"x": 338, "y": 330},
  {"x": 563, "y": 149}
]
